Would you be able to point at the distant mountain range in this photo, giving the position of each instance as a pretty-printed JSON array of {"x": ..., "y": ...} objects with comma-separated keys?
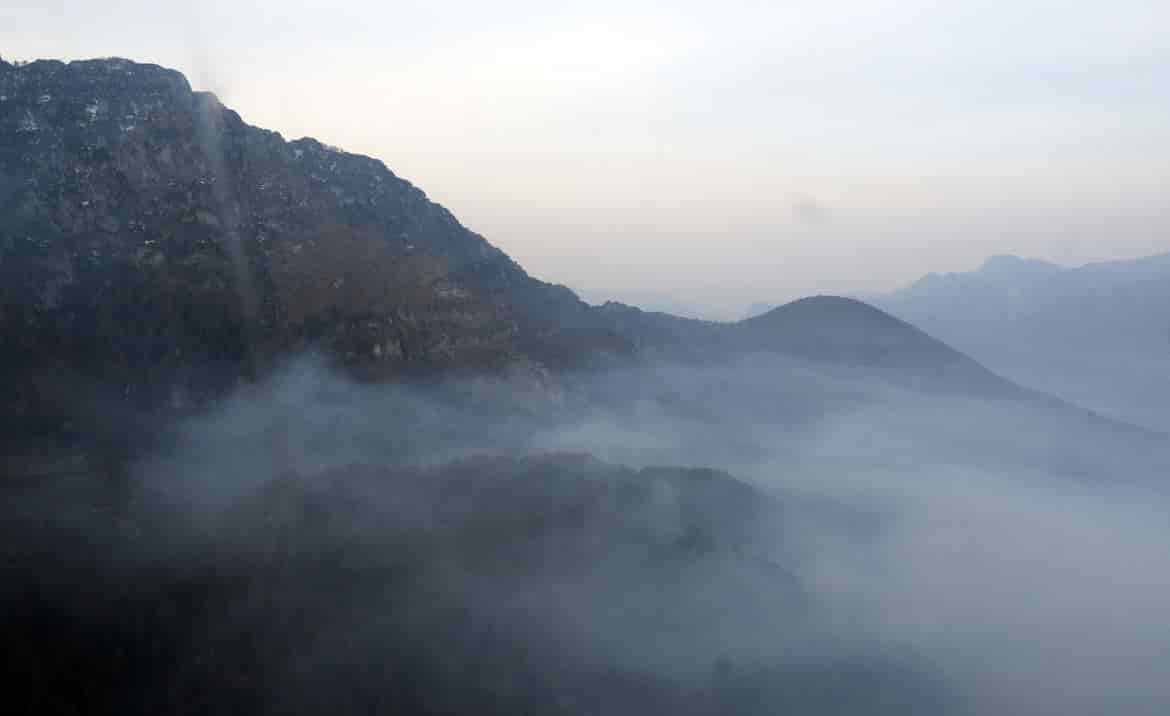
[{"x": 1097, "y": 335}]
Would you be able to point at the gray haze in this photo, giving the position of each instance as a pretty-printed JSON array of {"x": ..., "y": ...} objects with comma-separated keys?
[
  {"x": 1097, "y": 335},
  {"x": 1017, "y": 585},
  {"x": 704, "y": 155}
]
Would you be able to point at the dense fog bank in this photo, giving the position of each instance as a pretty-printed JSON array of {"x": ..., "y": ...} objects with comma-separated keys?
[{"x": 314, "y": 545}]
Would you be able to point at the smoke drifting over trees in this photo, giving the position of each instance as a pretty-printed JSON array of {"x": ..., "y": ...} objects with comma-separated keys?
[{"x": 317, "y": 545}]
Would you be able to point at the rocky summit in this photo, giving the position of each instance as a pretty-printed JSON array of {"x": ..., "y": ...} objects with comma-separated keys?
[{"x": 156, "y": 248}]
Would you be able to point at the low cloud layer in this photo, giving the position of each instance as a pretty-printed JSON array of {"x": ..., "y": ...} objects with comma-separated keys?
[{"x": 867, "y": 563}]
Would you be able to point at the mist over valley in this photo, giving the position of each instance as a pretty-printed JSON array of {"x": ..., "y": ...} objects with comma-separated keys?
[{"x": 281, "y": 435}]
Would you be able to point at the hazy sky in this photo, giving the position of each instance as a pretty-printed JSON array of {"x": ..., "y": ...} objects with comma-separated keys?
[{"x": 709, "y": 153}]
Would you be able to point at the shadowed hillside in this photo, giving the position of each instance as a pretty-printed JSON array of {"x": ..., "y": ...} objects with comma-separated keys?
[{"x": 553, "y": 585}]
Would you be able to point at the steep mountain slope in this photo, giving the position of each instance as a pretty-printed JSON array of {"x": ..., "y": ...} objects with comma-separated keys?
[
  {"x": 1098, "y": 335},
  {"x": 155, "y": 248}
]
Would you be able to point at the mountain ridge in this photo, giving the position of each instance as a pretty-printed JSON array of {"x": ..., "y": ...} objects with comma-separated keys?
[
  {"x": 121, "y": 186},
  {"x": 156, "y": 251},
  {"x": 1096, "y": 334}
]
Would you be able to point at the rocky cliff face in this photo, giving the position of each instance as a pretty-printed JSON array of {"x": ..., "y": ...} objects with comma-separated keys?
[{"x": 157, "y": 249}]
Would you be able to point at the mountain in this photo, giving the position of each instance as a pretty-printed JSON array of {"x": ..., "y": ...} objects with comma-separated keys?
[
  {"x": 156, "y": 252},
  {"x": 156, "y": 249},
  {"x": 829, "y": 331},
  {"x": 832, "y": 329},
  {"x": 1097, "y": 335}
]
